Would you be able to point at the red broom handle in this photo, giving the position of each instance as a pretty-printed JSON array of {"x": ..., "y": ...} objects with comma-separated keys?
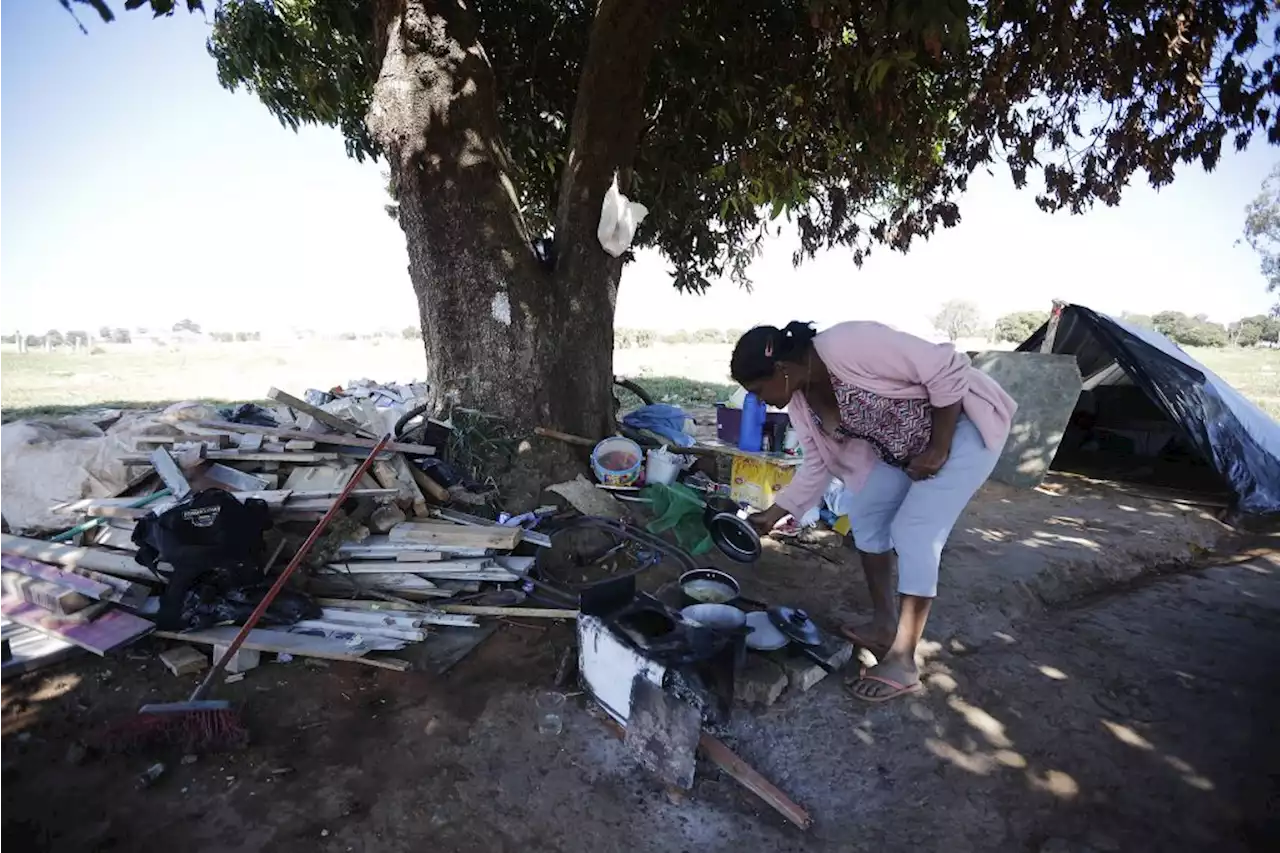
[{"x": 301, "y": 555}]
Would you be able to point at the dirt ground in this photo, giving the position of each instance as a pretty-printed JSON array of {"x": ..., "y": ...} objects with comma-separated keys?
[{"x": 1077, "y": 700}]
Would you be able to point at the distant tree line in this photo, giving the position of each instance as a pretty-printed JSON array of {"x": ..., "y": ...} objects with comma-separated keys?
[{"x": 1182, "y": 329}]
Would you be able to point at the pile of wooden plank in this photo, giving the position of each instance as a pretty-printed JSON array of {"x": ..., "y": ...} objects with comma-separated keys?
[{"x": 386, "y": 576}]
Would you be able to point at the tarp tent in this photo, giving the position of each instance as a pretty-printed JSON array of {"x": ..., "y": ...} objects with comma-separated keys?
[{"x": 1151, "y": 410}]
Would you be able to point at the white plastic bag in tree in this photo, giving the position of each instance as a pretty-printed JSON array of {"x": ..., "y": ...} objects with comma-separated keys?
[{"x": 619, "y": 219}]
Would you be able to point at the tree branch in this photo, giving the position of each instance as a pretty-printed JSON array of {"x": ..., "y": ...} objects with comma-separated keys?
[{"x": 608, "y": 117}]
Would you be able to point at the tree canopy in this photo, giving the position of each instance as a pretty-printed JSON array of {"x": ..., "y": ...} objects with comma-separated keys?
[
  {"x": 1195, "y": 331},
  {"x": 1020, "y": 325},
  {"x": 860, "y": 122},
  {"x": 958, "y": 319},
  {"x": 1262, "y": 229}
]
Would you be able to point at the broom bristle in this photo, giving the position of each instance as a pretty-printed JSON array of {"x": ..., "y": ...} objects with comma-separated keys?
[{"x": 219, "y": 730}]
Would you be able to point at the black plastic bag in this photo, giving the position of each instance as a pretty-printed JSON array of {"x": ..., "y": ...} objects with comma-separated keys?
[{"x": 205, "y": 605}]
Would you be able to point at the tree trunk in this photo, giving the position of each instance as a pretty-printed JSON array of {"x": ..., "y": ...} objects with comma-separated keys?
[{"x": 505, "y": 333}]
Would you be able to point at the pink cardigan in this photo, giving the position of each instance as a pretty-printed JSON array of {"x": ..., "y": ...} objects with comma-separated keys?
[{"x": 894, "y": 364}]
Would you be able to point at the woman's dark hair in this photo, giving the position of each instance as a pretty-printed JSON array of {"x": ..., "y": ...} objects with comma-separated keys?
[{"x": 760, "y": 349}]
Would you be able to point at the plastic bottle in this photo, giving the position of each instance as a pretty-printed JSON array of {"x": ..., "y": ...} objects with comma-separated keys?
[
  {"x": 791, "y": 442},
  {"x": 751, "y": 433}
]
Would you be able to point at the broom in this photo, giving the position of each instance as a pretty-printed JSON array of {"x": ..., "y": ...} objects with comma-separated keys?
[{"x": 206, "y": 725}]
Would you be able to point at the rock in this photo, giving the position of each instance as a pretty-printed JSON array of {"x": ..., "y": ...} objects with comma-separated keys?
[
  {"x": 760, "y": 683},
  {"x": 803, "y": 673}
]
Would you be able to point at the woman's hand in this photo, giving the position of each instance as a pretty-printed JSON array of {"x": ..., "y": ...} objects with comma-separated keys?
[
  {"x": 765, "y": 521},
  {"x": 928, "y": 463}
]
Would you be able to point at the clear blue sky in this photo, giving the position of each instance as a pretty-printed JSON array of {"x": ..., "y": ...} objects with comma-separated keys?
[{"x": 135, "y": 191}]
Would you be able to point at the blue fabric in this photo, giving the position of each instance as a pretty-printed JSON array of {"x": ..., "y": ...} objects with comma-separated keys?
[{"x": 663, "y": 419}]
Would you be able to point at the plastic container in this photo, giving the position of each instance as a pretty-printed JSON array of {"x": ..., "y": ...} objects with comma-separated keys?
[
  {"x": 662, "y": 467},
  {"x": 751, "y": 433},
  {"x": 729, "y": 422},
  {"x": 550, "y": 706},
  {"x": 617, "y": 461}
]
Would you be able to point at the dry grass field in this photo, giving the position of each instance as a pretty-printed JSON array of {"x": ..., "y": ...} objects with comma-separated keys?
[{"x": 147, "y": 374}]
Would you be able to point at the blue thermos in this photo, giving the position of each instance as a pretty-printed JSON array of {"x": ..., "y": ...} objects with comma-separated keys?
[{"x": 751, "y": 432}]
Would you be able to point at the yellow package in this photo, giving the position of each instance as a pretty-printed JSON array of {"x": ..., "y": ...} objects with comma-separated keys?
[{"x": 756, "y": 482}]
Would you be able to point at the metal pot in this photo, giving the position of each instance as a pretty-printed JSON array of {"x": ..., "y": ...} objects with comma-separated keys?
[{"x": 709, "y": 586}]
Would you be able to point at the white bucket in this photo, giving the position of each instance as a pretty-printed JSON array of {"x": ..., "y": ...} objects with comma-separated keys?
[{"x": 662, "y": 467}]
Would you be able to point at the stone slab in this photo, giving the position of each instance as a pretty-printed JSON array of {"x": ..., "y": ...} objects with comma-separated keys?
[{"x": 1046, "y": 388}]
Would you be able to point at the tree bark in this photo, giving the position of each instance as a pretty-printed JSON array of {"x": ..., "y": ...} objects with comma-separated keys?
[{"x": 503, "y": 332}]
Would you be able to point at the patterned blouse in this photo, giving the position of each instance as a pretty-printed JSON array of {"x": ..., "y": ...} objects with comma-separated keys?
[{"x": 898, "y": 430}]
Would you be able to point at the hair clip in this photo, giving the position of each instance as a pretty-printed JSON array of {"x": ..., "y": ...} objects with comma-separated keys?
[{"x": 768, "y": 348}]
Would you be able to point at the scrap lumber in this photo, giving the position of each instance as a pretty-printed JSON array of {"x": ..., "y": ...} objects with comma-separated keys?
[
  {"x": 232, "y": 478},
  {"x": 542, "y": 540},
  {"x": 55, "y": 598},
  {"x": 329, "y": 420},
  {"x": 304, "y": 645},
  {"x": 525, "y": 612},
  {"x": 430, "y": 487},
  {"x": 402, "y": 586},
  {"x": 93, "y": 584},
  {"x": 98, "y": 559},
  {"x": 183, "y": 660},
  {"x": 109, "y": 536},
  {"x": 404, "y": 474},
  {"x": 303, "y": 458},
  {"x": 399, "y": 619},
  {"x": 169, "y": 473},
  {"x": 110, "y": 630},
  {"x": 389, "y": 632},
  {"x": 747, "y": 776},
  {"x": 31, "y": 650},
  {"x": 443, "y": 567},
  {"x": 68, "y": 580},
  {"x": 742, "y": 772},
  {"x": 441, "y": 533},
  {"x": 321, "y": 437}
]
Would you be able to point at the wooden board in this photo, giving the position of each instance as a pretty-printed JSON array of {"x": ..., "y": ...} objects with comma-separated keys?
[
  {"x": 240, "y": 456},
  {"x": 45, "y": 572},
  {"x": 110, "y": 630},
  {"x": 31, "y": 650},
  {"x": 515, "y": 612},
  {"x": 263, "y": 640},
  {"x": 330, "y": 420},
  {"x": 443, "y": 533},
  {"x": 97, "y": 559},
  {"x": 322, "y": 438},
  {"x": 475, "y": 564},
  {"x": 401, "y": 586},
  {"x": 52, "y": 596},
  {"x": 170, "y": 474},
  {"x": 542, "y": 540},
  {"x": 404, "y": 476},
  {"x": 225, "y": 475}
]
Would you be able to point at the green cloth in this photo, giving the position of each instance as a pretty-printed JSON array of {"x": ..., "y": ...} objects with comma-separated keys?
[{"x": 679, "y": 510}]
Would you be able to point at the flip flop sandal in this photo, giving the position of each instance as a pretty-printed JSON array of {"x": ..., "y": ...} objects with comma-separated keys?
[
  {"x": 849, "y": 634},
  {"x": 898, "y": 689}
]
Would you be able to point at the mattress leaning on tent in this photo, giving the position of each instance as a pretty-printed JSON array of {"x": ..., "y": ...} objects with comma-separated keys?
[{"x": 1232, "y": 437}]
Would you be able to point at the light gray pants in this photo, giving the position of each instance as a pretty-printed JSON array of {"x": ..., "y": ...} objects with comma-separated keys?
[{"x": 893, "y": 512}]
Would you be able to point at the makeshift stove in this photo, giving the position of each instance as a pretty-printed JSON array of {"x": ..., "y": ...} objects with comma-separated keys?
[{"x": 644, "y": 640}]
